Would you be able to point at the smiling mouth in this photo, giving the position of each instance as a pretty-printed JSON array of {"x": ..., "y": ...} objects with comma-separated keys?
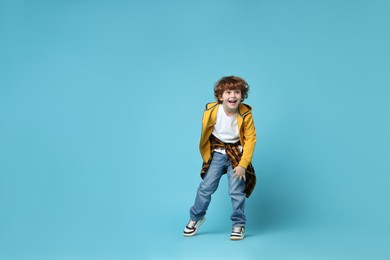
[{"x": 232, "y": 101}]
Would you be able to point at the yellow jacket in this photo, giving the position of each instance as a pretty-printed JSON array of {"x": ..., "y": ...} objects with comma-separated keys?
[{"x": 246, "y": 129}]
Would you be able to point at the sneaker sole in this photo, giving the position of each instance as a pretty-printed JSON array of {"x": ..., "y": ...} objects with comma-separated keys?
[
  {"x": 196, "y": 229},
  {"x": 236, "y": 238}
]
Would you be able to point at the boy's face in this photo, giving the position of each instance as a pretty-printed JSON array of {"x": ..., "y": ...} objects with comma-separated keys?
[{"x": 231, "y": 99}]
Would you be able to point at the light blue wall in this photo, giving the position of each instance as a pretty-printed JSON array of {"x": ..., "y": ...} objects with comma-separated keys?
[{"x": 100, "y": 112}]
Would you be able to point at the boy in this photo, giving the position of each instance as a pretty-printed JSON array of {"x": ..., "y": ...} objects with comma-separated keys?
[{"x": 227, "y": 143}]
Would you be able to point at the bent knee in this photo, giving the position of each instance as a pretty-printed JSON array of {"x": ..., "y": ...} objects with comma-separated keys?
[{"x": 207, "y": 188}]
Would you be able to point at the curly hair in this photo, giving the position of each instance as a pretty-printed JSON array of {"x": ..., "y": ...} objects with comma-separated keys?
[{"x": 231, "y": 83}]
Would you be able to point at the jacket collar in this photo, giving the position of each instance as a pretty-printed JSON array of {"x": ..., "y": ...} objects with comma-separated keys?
[{"x": 243, "y": 109}]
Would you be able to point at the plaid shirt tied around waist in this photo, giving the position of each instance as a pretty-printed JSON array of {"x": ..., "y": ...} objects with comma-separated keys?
[{"x": 234, "y": 154}]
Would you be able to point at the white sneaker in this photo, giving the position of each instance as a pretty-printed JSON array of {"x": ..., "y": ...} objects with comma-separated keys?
[
  {"x": 237, "y": 233},
  {"x": 192, "y": 227}
]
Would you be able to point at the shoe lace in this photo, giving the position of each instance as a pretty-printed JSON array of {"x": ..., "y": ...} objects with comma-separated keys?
[
  {"x": 191, "y": 223},
  {"x": 237, "y": 229}
]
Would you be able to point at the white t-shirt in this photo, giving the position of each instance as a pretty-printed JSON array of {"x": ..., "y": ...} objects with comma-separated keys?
[{"x": 226, "y": 128}]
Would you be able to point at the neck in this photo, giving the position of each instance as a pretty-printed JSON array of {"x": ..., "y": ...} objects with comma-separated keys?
[{"x": 229, "y": 112}]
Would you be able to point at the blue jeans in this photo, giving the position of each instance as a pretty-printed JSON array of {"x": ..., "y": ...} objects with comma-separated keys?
[{"x": 219, "y": 164}]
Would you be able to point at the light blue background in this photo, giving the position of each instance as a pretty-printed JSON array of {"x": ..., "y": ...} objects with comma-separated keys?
[{"x": 100, "y": 112}]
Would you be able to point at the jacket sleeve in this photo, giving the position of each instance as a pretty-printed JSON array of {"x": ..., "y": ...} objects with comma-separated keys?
[{"x": 249, "y": 132}]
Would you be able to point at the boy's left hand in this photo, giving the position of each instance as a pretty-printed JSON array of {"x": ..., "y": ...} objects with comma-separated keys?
[{"x": 239, "y": 172}]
